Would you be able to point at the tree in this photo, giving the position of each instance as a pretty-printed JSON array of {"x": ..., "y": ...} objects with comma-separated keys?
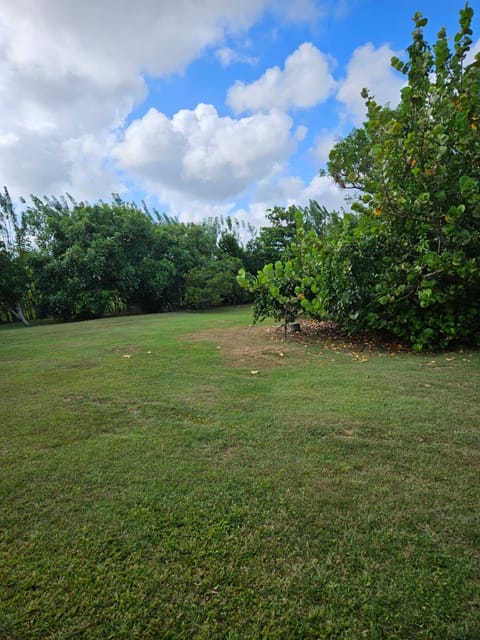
[
  {"x": 349, "y": 162},
  {"x": 213, "y": 283},
  {"x": 287, "y": 287},
  {"x": 15, "y": 280},
  {"x": 93, "y": 259},
  {"x": 418, "y": 167},
  {"x": 274, "y": 288},
  {"x": 274, "y": 239}
]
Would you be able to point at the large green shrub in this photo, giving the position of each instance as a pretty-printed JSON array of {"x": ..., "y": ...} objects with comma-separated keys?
[
  {"x": 406, "y": 260},
  {"x": 411, "y": 266}
]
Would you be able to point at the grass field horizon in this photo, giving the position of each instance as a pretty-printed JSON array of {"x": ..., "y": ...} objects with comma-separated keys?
[{"x": 187, "y": 475}]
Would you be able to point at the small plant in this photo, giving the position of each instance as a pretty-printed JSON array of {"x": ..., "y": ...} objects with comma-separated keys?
[{"x": 274, "y": 288}]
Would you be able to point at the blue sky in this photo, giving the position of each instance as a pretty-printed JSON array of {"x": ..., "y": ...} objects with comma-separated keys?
[{"x": 212, "y": 107}]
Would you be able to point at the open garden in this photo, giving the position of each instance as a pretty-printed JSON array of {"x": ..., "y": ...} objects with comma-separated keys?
[{"x": 188, "y": 475}]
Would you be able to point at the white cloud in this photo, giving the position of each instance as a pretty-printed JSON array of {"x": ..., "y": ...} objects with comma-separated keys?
[
  {"x": 228, "y": 56},
  {"x": 299, "y": 10},
  {"x": 475, "y": 48},
  {"x": 324, "y": 143},
  {"x": 111, "y": 38},
  {"x": 49, "y": 165},
  {"x": 202, "y": 155},
  {"x": 92, "y": 172},
  {"x": 301, "y": 132},
  {"x": 286, "y": 190},
  {"x": 305, "y": 82},
  {"x": 369, "y": 68},
  {"x": 187, "y": 209},
  {"x": 73, "y": 71},
  {"x": 324, "y": 190},
  {"x": 253, "y": 215}
]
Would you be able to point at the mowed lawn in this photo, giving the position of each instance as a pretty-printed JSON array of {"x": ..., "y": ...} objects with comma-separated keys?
[{"x": 152, "y": 486}]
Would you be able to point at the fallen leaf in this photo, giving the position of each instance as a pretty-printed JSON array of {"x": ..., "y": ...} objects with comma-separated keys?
[
  {"x": 450, "y": 359},
  {"x": 281, "y": 354},
  {"x": 254, "y": 373},
  {"x": 127, "y": 355}
]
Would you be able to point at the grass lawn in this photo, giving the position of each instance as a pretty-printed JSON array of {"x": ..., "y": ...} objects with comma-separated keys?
[{"x": 152, "y": 486}]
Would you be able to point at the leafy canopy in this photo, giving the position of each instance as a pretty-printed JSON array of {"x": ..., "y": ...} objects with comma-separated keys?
[
  {"x": 406, "y": 260},
  {"x": 418, "y": 169}
]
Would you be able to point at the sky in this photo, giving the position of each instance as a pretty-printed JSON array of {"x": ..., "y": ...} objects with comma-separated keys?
[{"x": 198, "y": 107}]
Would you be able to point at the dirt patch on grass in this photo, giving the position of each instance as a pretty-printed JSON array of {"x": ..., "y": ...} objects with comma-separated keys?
[
  {"x": 260, "y": 346},
  {"x": 252, "y": 346},
  {"x": 128, "y": 349}
]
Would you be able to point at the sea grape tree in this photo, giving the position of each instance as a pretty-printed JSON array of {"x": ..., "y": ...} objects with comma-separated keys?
[{"x": 418, "y": 169}]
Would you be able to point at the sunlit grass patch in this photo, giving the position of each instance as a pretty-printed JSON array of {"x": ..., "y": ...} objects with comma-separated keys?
[{"x": 173, "y": 494}]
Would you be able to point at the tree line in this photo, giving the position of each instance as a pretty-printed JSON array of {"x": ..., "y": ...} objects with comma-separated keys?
[
  {"x": 405, "y": 260},
  {"x": 71, "y": 260}
]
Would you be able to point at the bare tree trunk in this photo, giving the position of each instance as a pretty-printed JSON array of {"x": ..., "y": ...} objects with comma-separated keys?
[{"x": 18, "y": 313}]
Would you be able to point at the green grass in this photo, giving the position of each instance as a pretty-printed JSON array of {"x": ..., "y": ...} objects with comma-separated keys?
[{"x": 173, "y": 494}]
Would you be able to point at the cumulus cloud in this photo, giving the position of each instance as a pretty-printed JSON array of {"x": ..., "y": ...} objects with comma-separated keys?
[
  {"x": 188, "y": 209},
  {"x": 204, "y": 155},
  {"x": 50, "y": 165},
  {"x": 73, "y": 71},
  {"x": 111, "y": 38},
  {"x": 287, "y": 190},
  {"x": 369, "y": 68},
  {"x": 304, "y": 82}
]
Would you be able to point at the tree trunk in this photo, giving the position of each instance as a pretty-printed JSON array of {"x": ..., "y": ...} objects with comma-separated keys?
[{"x": 19, "y": 314}]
